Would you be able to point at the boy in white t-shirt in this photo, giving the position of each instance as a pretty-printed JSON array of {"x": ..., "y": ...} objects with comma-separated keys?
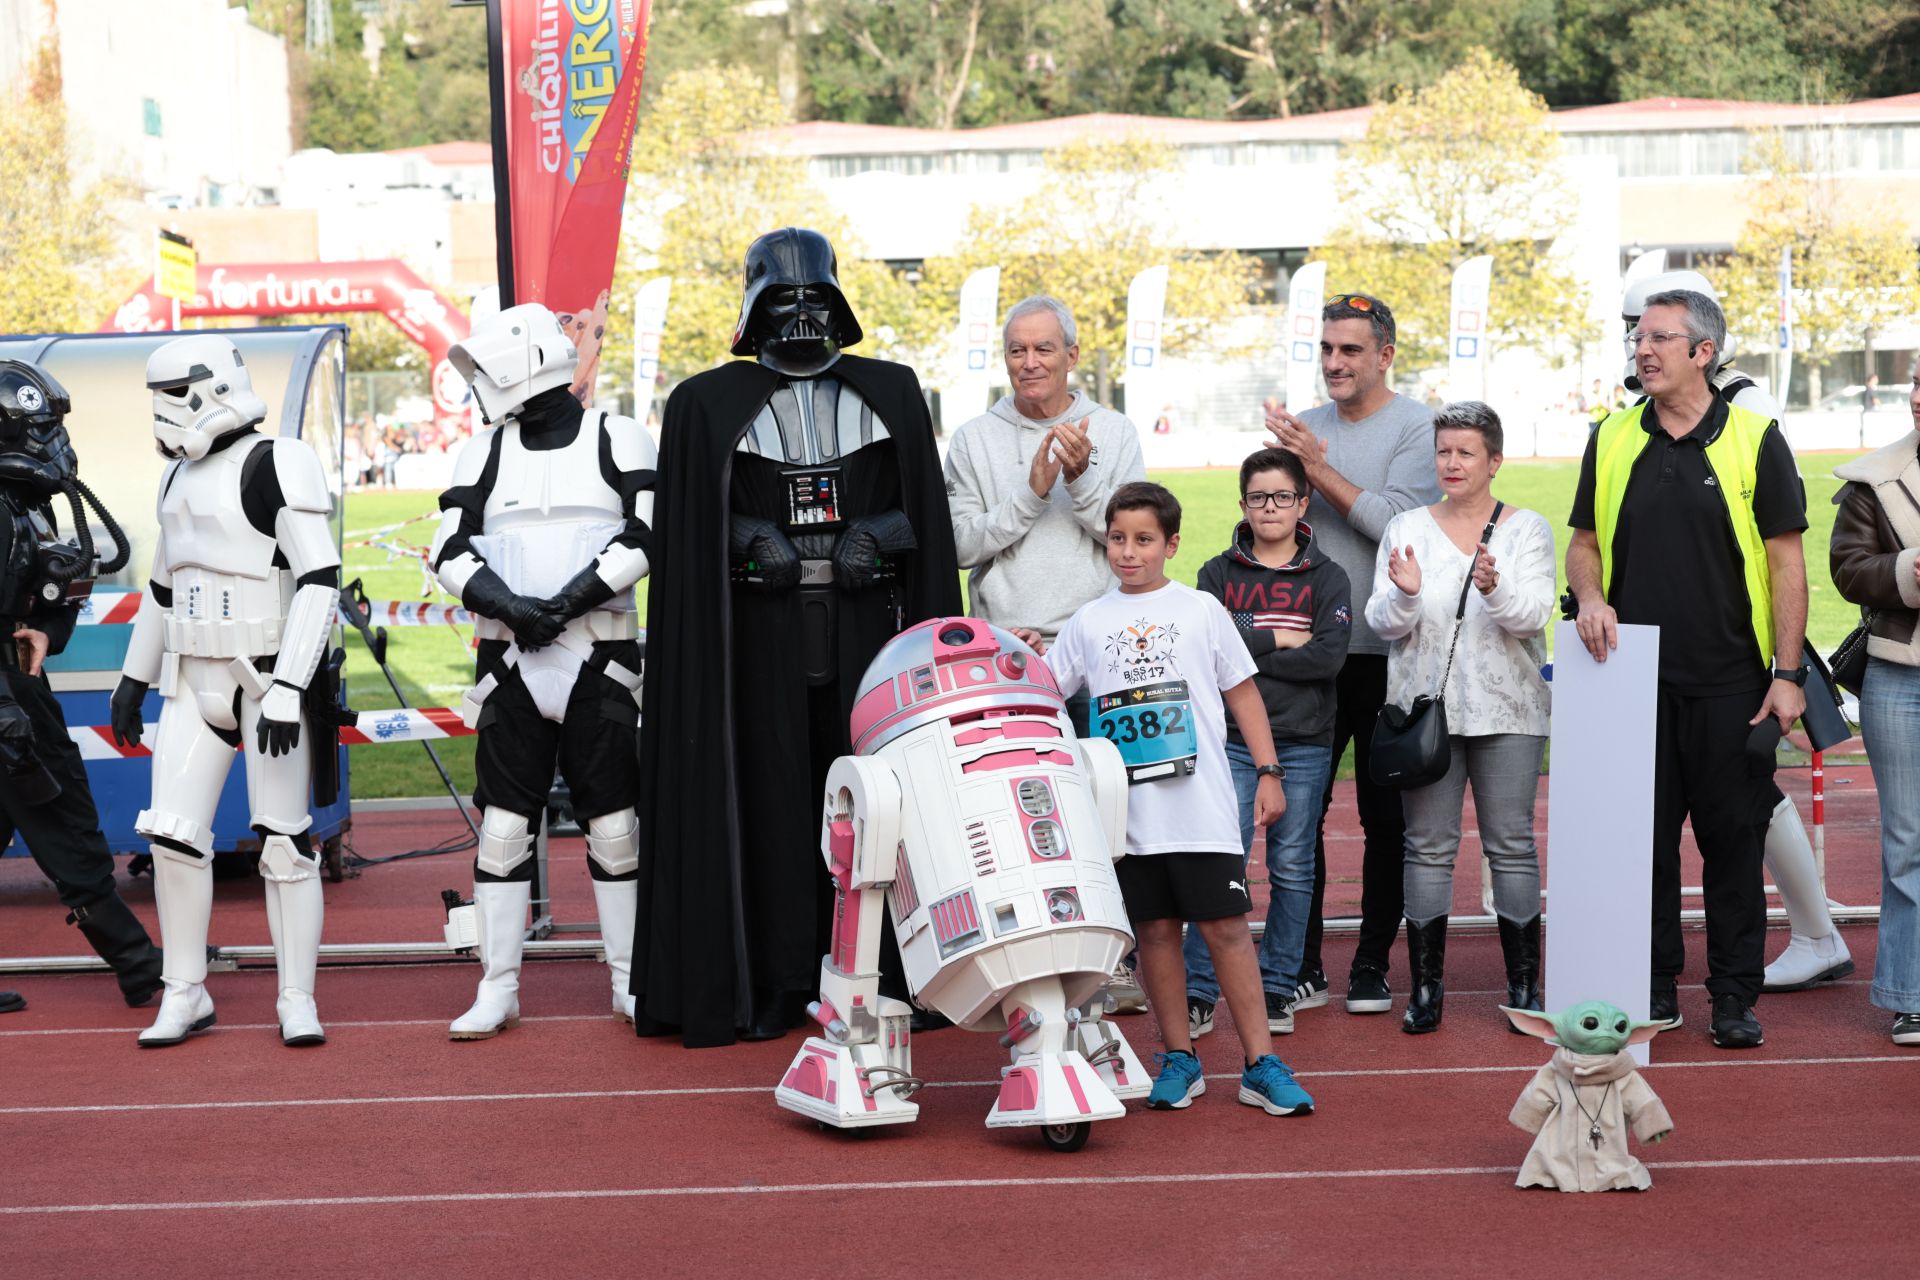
[{"x": 1163, "y": 663}]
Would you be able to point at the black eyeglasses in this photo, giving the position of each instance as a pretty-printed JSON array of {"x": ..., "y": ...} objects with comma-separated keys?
[{"x": 1279, "y": 498}]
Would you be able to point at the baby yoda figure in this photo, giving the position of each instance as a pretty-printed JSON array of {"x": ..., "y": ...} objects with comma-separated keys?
[{"x": 1579, "y": 1105}]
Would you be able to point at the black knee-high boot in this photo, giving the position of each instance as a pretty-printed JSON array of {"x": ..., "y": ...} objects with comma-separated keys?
[
  {"x": 1427, "y": 958},
  {"x": 1520, "y": 944},
  {"x": 117, "y": 936}
]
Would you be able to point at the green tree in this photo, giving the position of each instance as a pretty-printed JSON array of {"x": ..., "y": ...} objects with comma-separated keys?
[
  {"x": 1086, "y": 251},
  {"x": 62, "y": 248},
  {"x": 704, "y": 185},
  {"x": 1855, "y": 270},
  {"x": 1470, "y": 165}
]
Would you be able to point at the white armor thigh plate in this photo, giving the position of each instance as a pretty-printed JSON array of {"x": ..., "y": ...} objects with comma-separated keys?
[{"x": 813, "y": 420}]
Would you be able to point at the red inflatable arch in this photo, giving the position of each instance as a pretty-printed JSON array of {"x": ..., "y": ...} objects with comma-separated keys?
[{"x": 388, "y": 286}]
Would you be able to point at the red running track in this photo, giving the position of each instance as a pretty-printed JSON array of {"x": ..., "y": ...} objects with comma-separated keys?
[{"x": 571, "y": 1147}]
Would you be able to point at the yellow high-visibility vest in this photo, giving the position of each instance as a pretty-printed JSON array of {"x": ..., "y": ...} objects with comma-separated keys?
[{"x": 1733, "y": 457}]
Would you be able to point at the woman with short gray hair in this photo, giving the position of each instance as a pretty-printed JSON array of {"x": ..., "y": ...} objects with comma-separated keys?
[{"x": 1463, "y": 590}]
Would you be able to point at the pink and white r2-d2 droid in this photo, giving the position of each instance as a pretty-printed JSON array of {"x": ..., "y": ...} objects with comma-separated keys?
[{"x": 985, "y": 831}]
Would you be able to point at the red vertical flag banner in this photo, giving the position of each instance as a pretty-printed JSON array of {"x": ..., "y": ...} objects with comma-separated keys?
[{"x": 571, "y": 72}]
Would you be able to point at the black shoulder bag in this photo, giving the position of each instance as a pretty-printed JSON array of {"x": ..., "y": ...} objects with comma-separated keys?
[{"x": 1411, "y": 747}]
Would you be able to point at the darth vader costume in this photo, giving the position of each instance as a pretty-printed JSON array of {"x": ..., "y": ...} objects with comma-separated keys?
[
  {"x": 800, "y": 523},
  {"x": 43, "y": 580}
]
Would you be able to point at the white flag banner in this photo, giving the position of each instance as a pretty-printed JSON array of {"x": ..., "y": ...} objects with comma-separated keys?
[
  {"x": 649, "y": 326},
  {"x": 1467, "y": 329},
  {"x": 1306, "y": 294},
  {"x": 1786, "y": 324},
  {"x": 1146, "y": 323},
  {"x": 979, "y": 338}
]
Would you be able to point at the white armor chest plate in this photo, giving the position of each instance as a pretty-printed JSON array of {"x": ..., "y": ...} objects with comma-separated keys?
[
  {"x": 228, "y": 599},
  {"x": 550, "y": 512},
  {"x": 811, "y": 421}
]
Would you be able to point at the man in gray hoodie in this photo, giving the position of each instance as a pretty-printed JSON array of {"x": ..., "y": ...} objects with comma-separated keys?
[{"x": 1028, "y": 481}]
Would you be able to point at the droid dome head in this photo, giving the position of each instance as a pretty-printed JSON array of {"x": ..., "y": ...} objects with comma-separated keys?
[
  {"x": 34, "y": 449},
  {"x": 794, "y": 319},
  {"x": 201, "y": 392},
  {"x": 948, "y": 669},
  {"x": 514, "y": 357}
]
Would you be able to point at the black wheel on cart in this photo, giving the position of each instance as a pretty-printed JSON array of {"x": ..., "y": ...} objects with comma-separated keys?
[{"x": 1066, "y": 1137}]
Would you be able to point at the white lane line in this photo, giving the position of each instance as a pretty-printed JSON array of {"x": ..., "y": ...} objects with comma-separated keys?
[
  {"x": 930, "y": 1184},
  {"x": 274, "y": 1026},
  {"x": 717, "y": 1090}
]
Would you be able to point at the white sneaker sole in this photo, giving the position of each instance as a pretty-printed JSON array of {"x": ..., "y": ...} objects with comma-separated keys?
[
  {"x": 1369, "y": 1006},
  {"x": 1199, "y": 1087},
  {"x": 1312, "y": 1000},
  {"x": 1906, "y": 1037},
  {"x": 1196, "y": 1030},
  {"x": 1254, "y": 1098},
  {"x": 1280, "y": 1026}
]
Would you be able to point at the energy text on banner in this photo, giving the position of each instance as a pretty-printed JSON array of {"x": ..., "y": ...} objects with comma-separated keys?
[{"x": 573, "y": 72}]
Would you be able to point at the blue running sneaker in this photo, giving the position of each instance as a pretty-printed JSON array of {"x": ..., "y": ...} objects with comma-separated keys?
[
  {"x": 1268, "y": 1083},
  {"x": 1180, "y": 1081}
]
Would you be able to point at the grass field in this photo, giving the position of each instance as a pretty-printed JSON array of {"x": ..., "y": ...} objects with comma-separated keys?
[{"x": 434, "y": 664}]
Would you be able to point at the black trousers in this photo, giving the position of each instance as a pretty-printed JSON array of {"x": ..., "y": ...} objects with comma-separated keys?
[
  {"x": 65, "y": 839},
  {"x": 1702, "y": 772},
  {"x": 1360, "y": 690}
]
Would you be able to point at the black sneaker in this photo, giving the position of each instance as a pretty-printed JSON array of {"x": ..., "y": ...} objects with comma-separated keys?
[
  {"x": 1663, "y": 1002},
  {"x": 1199, "y": 1017},
  {"x": 1906, "y": 1029},
  {"x": 1311, "y": 993},
  {"x": 1367, "y": 992},
  {"x": 1734, "y": 1026},
  {"x": 1279, "y": 1014}
]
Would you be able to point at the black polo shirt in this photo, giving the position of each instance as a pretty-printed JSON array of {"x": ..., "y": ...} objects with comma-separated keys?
[{"x": 1676, "y": 563}]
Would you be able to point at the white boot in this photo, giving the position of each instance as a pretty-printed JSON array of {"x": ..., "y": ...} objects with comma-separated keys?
[
  {"x": 1815, "y": 951},
  {"x": 619, "y": 902},
  {"x": 183, "y": 893},
  {"x": 501, "y": 912},
  {"x": 295, "y": 910}
]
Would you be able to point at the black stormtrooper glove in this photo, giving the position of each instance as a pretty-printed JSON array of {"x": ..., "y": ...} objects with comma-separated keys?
[
  {"x": 762, "y": 555},
  {"x": 125, "y": 711},
  {"x": 861, "y": 557},
  {"x": 583, "y": 591},
  {"x": 27, "y": 780},
  {"x": 532, "y": 624}
]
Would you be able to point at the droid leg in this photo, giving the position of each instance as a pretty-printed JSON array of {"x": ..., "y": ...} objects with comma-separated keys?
[
  {"x": 1816, "y": 952},
  {"x": 860, "y": 1072},
  {"x": 1050, "y": 1083},
  {"x": 190, "y": 764},
  {"x": 1108, "y": 1053},
  {"x": 277, "y": 790}
]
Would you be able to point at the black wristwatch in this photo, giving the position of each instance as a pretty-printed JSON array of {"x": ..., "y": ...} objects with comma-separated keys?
[
  {"x": 1271, "y": 771},
  {"x": 1797, "y": 676}
]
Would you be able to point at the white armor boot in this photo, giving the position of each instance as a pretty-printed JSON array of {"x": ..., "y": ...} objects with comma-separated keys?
[
  {"x": 501, "y": 909},
  {"x": 183, "y": 893},
  {"x": 1815, "y": 951},
  {"x": 613, "y": 842},
  {"x": 295, "y": 909}
]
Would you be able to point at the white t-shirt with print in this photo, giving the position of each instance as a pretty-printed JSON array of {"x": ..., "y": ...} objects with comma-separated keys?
[{"x": 1155, "y": 663}]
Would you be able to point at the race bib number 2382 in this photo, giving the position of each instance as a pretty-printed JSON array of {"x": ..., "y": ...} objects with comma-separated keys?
[{"x": 1153, "y": 728}]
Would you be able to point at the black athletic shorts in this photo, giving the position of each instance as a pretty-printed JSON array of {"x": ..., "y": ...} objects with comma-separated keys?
[{"x": 1183, "y": 886}]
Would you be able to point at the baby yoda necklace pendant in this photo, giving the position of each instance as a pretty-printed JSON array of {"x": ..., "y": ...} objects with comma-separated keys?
[
  {"x": 1593, "y": 1135},
  {"x": 1593, "y": 1121}
]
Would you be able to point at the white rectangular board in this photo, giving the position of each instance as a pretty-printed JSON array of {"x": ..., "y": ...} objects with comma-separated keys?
[{"x": 1599, "y": 923}]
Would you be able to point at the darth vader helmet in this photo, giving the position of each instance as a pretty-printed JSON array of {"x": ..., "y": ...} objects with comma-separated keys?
[
  {"x": 34, "y": 448},
  {"x": 794, "y": 319}
]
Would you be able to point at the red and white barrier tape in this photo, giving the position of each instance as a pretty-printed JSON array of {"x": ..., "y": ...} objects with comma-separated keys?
[
  {"x": 111, "y": 608},
  {"x": 400, "y": 724}
]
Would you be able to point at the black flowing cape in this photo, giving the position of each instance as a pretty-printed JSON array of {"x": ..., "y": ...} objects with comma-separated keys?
[{"x": 691, "y": 966}]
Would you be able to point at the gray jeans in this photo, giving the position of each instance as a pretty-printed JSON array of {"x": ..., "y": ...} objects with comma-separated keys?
[{"x": 1505, "y": 770}]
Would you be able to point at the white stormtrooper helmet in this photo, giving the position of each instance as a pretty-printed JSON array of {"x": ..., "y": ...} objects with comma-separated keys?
[
  {"x": 514, "y": 357},
  {"x": 201, "y": 391}
]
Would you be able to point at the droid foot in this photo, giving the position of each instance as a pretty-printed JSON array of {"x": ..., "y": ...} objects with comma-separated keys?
[
  {"x": 1112, "y": 1058},
  {"x": 1052, "y": 1089},
  {"x": 847, "y": 1086}
]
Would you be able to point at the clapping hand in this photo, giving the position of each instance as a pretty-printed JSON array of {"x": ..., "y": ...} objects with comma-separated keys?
[
  {"x": 1485, "y": 579},
  {"x": 1073, "y": 447},
  {"x": 1046, "y": 465},
  {"x": 1296, "y": 437},
  {"x": 1403, "y": 570}
]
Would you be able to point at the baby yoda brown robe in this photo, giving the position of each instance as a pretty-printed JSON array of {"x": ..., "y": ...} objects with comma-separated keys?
[{"x": 1563, "y": 1154}]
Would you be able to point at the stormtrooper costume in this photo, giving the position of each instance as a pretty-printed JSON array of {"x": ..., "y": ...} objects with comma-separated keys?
[
  {"x": 543, "y": 536},
  {"x": 43, "y": 579},
  {"x": 1815, "y": 952},
  {"x": 236, "y": 619}
]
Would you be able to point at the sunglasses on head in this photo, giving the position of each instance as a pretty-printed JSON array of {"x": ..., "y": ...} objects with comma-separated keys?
[{"x": 1355, "y": 301}]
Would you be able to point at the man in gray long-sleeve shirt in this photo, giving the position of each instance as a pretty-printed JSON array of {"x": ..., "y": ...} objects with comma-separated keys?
[{"x": 1369, "y": 456}]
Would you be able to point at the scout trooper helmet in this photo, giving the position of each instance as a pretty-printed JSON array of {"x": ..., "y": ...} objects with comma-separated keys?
[
  {"x": 201, "y": 392},
  {"x": 514, "y": 357}
]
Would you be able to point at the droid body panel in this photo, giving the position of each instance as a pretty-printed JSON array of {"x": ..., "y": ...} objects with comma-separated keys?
[{"x": 985, "y": 831}]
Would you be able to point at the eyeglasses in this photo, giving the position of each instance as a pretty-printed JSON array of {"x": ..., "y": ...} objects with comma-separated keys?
[
  {"x": 1356, "y": 301},
  {"x": 1283, "y": 499},
  {"x": 1658, "y": 338}
]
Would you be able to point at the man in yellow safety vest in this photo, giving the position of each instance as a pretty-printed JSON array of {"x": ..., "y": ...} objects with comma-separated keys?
[{"x": 1688, "y": 517}]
